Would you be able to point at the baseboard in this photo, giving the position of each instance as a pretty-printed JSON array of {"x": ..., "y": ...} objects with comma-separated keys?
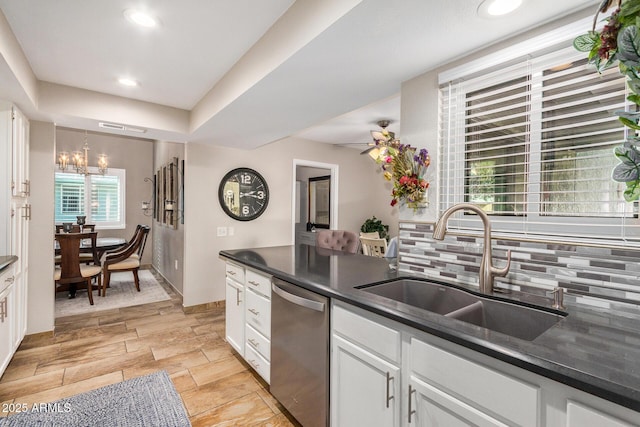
[
  {"x": 203, "y": 307},
  {"x": 40, "y": 335},
  {"x": 152, "y": 267}
]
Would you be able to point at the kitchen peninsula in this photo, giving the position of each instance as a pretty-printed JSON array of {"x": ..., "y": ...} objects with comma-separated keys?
[{"x": 585, "y": 367}]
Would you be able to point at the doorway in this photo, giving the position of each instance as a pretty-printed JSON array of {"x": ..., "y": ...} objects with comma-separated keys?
[{"x": 303, "y": 170}]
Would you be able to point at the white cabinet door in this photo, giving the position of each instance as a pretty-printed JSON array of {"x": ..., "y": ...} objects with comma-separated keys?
[
  {"x": 234, "y": 311},
  {"x": 7, "y": 316},
  {"x": 20, "y": 154},
  {"x": 365, "y": 389},
  {"x": 429, "y": 406}
]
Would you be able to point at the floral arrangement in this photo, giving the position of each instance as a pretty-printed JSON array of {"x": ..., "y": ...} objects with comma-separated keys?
[
  {"x": 406, "y": 167},
  {"x": 619, "y": 42}
]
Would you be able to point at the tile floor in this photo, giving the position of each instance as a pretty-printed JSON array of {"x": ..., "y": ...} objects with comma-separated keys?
[{"x": 93, "y": 350}]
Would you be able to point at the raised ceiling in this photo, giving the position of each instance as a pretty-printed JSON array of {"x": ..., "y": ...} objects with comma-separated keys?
[{"x": 239, "y": 73}]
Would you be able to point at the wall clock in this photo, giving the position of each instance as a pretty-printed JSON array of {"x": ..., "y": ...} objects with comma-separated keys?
[{"x": 243, "y": 194}]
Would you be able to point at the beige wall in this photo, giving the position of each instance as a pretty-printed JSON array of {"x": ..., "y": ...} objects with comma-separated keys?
[
  {"x": 41, "y": 292},
  {"x": 168, "y": 243},
  {"x": 133, "y": 155},
  {"x": 362, "y": 192}
]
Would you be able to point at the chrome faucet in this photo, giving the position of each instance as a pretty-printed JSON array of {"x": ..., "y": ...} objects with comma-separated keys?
[{"x": 487, "y": 270}]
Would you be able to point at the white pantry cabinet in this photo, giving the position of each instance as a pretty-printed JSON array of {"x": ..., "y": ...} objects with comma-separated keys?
[
  {"x": 438, "y": 383},
  {"x": 248, "y": 316},
  {"x": 15, "y": 215}
]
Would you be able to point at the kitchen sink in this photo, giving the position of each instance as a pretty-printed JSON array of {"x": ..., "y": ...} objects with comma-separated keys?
[
  {"x": 519, "y": 321},
  {"x": 425, "y": 295}
]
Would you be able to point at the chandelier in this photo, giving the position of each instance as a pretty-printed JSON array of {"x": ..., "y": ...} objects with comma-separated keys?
[{"x": 79, "y": 160}]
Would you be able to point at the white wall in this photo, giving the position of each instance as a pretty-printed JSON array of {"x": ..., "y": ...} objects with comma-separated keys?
[
  {"x": 41, "y": 293},
  {"x": 362, "y": 192}
]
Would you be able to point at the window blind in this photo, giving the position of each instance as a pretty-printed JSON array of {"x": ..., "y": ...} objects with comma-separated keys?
[
  {"x": 532, "y": 145},
  {"x": 101, "y": 198},
  {"x": 105, "y": 200},
  {"x": 69, "y": 196}
]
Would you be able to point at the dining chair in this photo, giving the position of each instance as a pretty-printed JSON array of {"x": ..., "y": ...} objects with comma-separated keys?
[
  {"x": 71, "y": 270},
  {"x": 370, "y": 235},
  {"x": 341, "y": 240},
  {"x": 373, "y": 247},
  {"x": 125, "y": 259}
]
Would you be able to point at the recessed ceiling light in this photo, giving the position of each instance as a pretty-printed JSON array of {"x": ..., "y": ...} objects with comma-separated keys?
[
  {"x": 125, "y": 81},
  {"x": 493, "y": 8},
  {"x": 140, "y": 18}
]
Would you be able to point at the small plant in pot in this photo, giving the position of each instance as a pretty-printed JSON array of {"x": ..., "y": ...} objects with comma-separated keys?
[{"x": 373, "y": 224}]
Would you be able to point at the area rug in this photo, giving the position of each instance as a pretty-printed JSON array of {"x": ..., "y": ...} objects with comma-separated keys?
[
  {"x": 121, "y": 293},
  {"x": 150, "y": 400}
]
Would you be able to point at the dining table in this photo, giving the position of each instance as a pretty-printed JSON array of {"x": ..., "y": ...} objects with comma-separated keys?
[{"x": 103, "y": 244}]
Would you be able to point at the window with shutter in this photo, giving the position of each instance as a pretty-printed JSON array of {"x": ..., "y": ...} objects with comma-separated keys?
[
  {"x": 99, "y": 197},
  {"x": 531, "y": 142}
]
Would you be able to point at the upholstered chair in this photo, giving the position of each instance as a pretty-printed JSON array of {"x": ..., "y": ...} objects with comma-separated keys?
[{"x": 340, "y": 240}]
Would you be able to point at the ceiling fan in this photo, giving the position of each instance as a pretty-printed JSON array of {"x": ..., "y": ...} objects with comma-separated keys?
[{"x": 381, "y": 138}]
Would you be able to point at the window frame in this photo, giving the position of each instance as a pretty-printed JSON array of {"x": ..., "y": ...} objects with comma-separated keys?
[
  {"x": 452, "y": 164},
  {"x": 101, "y": 225}
]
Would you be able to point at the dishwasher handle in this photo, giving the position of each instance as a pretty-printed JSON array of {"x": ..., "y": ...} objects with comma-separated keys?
[{"x": 295, "y": 299}]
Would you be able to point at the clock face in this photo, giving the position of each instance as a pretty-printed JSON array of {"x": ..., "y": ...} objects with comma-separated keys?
[{"x": 243, "y": 194}]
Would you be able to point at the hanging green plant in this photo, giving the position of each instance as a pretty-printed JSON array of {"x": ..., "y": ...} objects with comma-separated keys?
[{"x": 619, "y": 42}]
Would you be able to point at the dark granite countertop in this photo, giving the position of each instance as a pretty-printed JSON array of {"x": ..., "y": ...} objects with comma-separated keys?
[
  {"x": 6, "y": 261},
  {"x": 591, "y": 349}
]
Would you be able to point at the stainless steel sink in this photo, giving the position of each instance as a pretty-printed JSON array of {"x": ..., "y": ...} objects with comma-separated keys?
[
  {"x": 498, "y": 315},
  {"x": 425, "y": 295}
]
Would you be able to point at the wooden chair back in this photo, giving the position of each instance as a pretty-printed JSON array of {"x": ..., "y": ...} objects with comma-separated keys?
[
  {"x": 70, "y": 255},
  {"x": 373, "y": 247},
  {"x": 135, "y": 246},
  {"x": 370, "y": 235}
]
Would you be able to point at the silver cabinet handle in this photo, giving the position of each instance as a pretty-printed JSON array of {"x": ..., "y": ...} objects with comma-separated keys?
[
  {"x": 4, "y": 309},
  {"x": 254, "y": 311},
  {"x": 238, "y": 301},
  {"x": 231, "y": 273},
  {"x": 389, "y": 378},
  {"x": 253, "y": 342},
  {"x": 251, "y": 282},
  {"x": 27, "y": 212},
  {"x": 253, "y": 363},
  {"x": 411, "y": 391},
  {"x": 10, "y": 280},
  {"x": 295, "y": 299}
]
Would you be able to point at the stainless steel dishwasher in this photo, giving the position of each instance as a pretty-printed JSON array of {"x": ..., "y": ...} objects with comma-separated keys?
[{"x": 300, "y": 352}]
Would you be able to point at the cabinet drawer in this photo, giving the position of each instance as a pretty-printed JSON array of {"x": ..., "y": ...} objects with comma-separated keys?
[
  {"x": 259, "y": 363},
  {"x": 258, "y": 313},
  {"x": 259, "y": 343},
  {"x": 259, "y": 283},
  {"x": 234, "y": 271},
  {"x": 381, "y": 339},
  {"x": 581, "y": 415},
  {"x": 515, "y": 400}
]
